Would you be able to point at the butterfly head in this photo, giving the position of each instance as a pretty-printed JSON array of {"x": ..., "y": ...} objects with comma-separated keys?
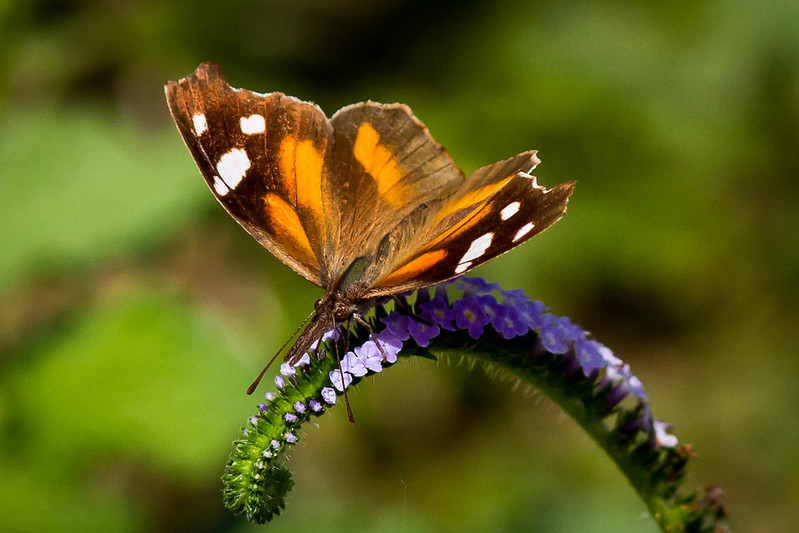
[{"x": 334, "y": 309}]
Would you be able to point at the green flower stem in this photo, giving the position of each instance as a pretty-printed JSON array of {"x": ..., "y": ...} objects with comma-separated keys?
[
  {"x": 654, "y": 474},
  {"x": 256, "y": 483}
]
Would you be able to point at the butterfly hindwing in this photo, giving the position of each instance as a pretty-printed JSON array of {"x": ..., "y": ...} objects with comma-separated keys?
[
  {"x": 263, "y": 157},
  {"x": 515, "y": 210}
]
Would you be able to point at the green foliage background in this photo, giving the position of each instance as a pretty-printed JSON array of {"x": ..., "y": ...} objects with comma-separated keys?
[{"x": 134, "y": 312}]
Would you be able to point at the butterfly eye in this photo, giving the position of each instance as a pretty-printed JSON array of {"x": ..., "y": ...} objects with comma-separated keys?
[{"x": 342, "y": 311}]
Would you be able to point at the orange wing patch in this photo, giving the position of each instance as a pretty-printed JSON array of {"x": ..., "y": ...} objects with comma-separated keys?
[
  {"x": 412, "y": 269},
  {"x": 471, "y": 198},
  {"x": 286, "y": 227},
  {"x": 380, "y": 163},
  {"x": 301, "y": 170}
]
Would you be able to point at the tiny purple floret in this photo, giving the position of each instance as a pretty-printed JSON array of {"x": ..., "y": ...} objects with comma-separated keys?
[
  {"x": 423, "y": 333},
  {"x": 469, "y": 316},
  {"x": 335, "y": 379},
  {"x": 397, "y": 324},
  {"x": 329, "y": 395},
  {"x": 370, "y": 357},
  {"x": 438, "y": 312}
]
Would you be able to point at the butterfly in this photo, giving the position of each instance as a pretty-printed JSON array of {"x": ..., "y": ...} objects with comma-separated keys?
[{"x": 365, "y": 204}]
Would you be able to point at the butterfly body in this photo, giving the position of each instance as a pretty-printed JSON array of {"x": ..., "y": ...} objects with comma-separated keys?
[{"x": 364, "y": 204}]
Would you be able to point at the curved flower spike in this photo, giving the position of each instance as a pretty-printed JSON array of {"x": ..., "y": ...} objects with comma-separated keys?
[{"x": 508, "y": 330}]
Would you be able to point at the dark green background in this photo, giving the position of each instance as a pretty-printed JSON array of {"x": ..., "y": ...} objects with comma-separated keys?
[{"x": 134, "y": 311}]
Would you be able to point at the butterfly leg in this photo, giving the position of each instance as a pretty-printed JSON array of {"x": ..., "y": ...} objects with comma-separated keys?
[{"x": 359, "y": 319}]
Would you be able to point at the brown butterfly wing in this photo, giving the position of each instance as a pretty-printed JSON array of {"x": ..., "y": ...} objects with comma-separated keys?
[
  {"x": 385, "y": 166},
  {"x": 498, "y": 208},
  {"x": 263, "y": 157},
  {"x": 407, "y": 218}
]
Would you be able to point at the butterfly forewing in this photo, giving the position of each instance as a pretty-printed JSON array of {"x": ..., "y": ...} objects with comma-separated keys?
[{"x": 263, "y": 158}]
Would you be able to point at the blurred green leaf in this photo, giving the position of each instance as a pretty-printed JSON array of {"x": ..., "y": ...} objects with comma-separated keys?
[
  {"x": 81, "y": 185},
  {"x": 139, "y": 384}
]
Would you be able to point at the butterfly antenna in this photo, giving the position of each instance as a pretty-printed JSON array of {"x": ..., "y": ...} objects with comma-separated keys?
[
  {"x": 255, "y": 383},
  {"x": 350, "y": 416}
]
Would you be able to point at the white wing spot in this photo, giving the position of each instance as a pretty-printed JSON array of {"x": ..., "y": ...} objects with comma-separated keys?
[
  {"x": 233, "y": 166},
  {"x": 510, "y": 210},
  {"x": 524, "y": 230},
  {"x": 463, "y": 267},
  {"x": 220, "y": 187},
  {"x": 200, "y": 125},
  {"x": 253, "y": 124},
  {"x": 478, "y": 248}
]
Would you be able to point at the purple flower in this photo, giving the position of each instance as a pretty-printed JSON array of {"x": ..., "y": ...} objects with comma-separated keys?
[
  {"x": 352, "y": 364},
  {"x": 336, "y": 380},
  {"x": 290, "y": 418},
  {"x": 662, "y": 437},
  {"x": 275, "y": 444},
  {"x": 438, "y": 312},
  {"x": 390, "y": 344},
  {"x": 369, "y": 355},
  {"x": 557, "y": 335},
  {"x": 531, "y": 313},
  {"x": 299, "y": 407},
  {"x": 326, "y": 336},
  {"x": 290, "y": 437},
  {"x": 287, "y": 369},
  {"x": 469, "y": 316},
  {"x": 507, "y": 322},
  {"x": 589, "y": 353},
  {"x": 254, "y": 420},
  {"x": 636, "y": 387},
  {"x": 315, "y": 406},
  {"x": 269, "y": 396},
  {"x": 267, "y": 454},
  {"x": 422, "y": 333},
  {"x": 306, "y": 359},
  {"x": 279, "y": 383},
  {"x": 397, "y": 324},
  {"x": 262, "y": 407},
  {"x": 615, "y": 395},
  {"x": 329, "y": 395},
  {"x": 633, "y": 384}
]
